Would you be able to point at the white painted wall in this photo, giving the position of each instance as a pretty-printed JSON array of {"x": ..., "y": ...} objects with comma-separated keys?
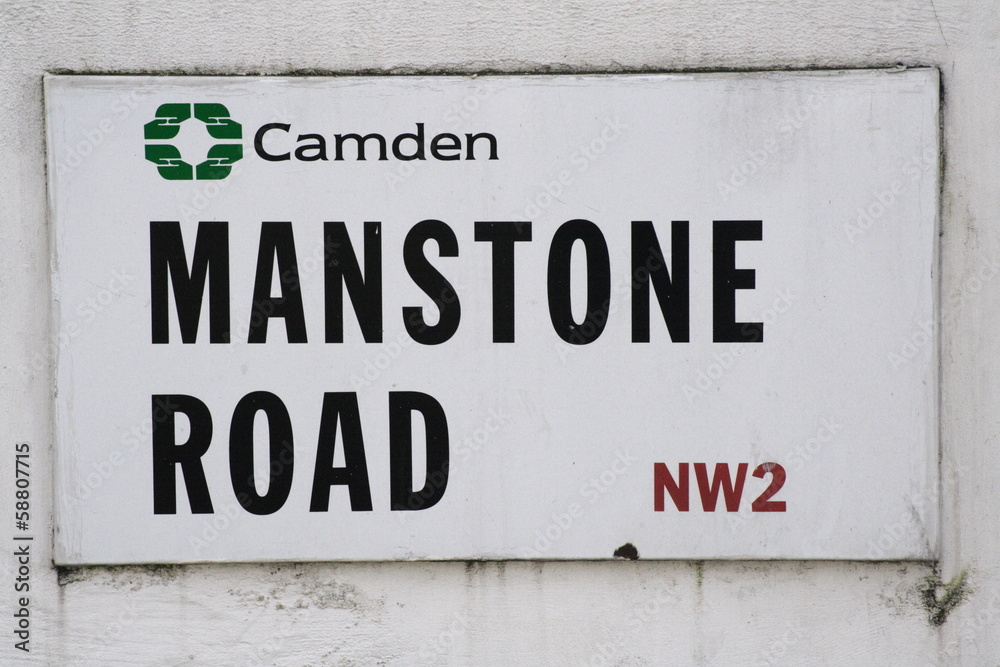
[{"x": 712, "y": 613}]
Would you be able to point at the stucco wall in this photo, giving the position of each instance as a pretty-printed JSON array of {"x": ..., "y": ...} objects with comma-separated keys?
[{"x": 629, "y": 613}]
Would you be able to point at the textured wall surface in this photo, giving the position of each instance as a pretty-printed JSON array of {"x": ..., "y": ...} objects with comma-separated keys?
[{"x": 626, "y": 613}]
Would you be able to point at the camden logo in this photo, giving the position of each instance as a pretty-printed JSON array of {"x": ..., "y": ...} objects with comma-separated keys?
[{"x": 168, "y": 159}]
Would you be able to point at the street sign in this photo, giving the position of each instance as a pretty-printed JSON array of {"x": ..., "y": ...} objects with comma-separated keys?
[{"x": 546, "y": 317}]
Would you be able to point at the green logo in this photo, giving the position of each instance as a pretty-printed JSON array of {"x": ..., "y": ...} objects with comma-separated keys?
[{"x": 168, "y": 159}]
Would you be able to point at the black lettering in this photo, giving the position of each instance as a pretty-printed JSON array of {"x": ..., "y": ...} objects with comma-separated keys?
[
  {"x": 471, "y": 139},
  {"x": 166, "y": 256},
  {"x": 354, "y": 474},
  {"x": 167, "y": 454},
  {"x": 418, "y": 138},
  {"x": 726, "y": 279},
  {"x": 503, "y": 236},
  {"x": 402, "y": 404},
  {"x": 672, "y": 293},
  {"x": 319, "y": 148},
  {"x": 598, "y": 282},
  {"x": 339, "y": 139},
  {"x": 276, "y": 239},
  {"x": 430, "y": 280},
  {"x": 281, "y": 452},
  {"x": 342, "y": 271},
  {"x": 258, "y": 141},
  {"x": 438, "y": 147}
]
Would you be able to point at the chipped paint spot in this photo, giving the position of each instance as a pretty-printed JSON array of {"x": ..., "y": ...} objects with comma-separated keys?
[
  {"x": 941, "y": 598},
  {"x": 132, "y": 577},
  {"x": 305, "y": 588},
  {"x": 627, "y": 551}
]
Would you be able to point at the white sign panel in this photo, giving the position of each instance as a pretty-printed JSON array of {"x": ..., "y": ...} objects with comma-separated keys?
[{"x": 374, "y": 318}]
